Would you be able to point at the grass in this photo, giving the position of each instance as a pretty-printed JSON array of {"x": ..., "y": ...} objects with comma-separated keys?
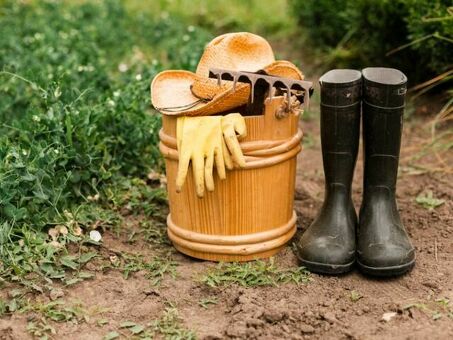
[
  {"x": 252, "y": 274},
  {"x": 168, "y": 326},
  {"x": 40, "y": 315},
  {"x": 206, "y": 302},
  {"x": 155, "y": 269}
]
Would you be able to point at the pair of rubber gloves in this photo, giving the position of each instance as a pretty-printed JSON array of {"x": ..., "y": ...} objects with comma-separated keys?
[{"x": 205, "y": 141}]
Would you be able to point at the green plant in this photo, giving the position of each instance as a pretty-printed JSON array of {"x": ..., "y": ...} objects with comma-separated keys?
[
  {"x": 256, "y": 273},
  {"x": 169, "y": 326},
  {"x": 428, "y": 201},
  {"x": 40, "y": 329},
  {"x": 155, "y": 269},
  {"x": 355, "y": 296},
  {"x": 78, "y": 133},
  {"x": 208, "y": 301},
  {"x": 57, "y": 311},
  {"x": 413, "y": 35}
]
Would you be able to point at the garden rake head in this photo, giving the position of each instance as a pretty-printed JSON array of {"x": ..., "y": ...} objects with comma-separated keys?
[{"x": 262, "y": 85}]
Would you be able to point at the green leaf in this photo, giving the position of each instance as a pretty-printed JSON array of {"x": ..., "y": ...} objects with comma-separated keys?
[
  {"x": 68, "y": 261},
  {"x": 85, "y": 275},
  {"x": 127, "y": 324},
  {"x": 73, "y": 281},
  {"x": 137, "y": 329},
  {"x": 111, "y": 335},
  {"x": 102, "y": 322},
  {"x": 84, "y": 258}
]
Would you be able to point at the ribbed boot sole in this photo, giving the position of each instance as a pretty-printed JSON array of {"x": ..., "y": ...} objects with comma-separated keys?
[{"x": 386, "y": 271}]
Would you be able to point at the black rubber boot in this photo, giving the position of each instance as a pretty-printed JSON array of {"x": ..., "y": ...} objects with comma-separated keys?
[
  {"x": 383, "y": 246},
  {"x": 328, "y": 245}
]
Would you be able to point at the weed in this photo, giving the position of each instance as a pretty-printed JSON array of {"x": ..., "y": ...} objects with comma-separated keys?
[
  {"x": 251, "y": 274},
  {"x": 436, "y": 310},
  {"x": 355, "y": 296},
  {"x": 11, "y": 306},
  {"x": 169, "y": 326},
  {"x": 40, "y": 329},
  {"x": 56, "y": 311},
  {"x": 155, "y": 232},
  {"x": 155, "y": 269},
  {"x": 212, "y": 300},
  {"x": 111, "y": 335},
  {"x": 428, "y": 201}
]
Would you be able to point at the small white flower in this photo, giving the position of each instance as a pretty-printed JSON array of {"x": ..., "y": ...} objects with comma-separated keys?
[
  {"x": 95, "y": 235},
  {"x": 191, "y": 28},
  {"x": 154, "y": 62},
  {"x": 36, "y": 118},
  {"x": 56, "y": 151},
  {"x": 123, "y": 67},
  {"x": 110, "y": 103},
  {"x": 138, "y": 77},
  {"x": 185, "y": 37},
  {"x": 116, "y": 93},
  {"x": 57, "y": 92}
]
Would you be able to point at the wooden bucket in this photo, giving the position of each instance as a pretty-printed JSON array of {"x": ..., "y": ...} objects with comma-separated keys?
[{"x": 250, "y": 214}]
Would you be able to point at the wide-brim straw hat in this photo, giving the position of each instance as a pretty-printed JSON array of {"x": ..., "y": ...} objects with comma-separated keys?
[{"x": 179, "y": 92}]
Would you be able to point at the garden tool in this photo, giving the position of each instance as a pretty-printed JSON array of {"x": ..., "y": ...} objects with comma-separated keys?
[
  {"x": 383, "y": 246},
  {"x": 203, "y": 141},
  {"x": 183, "y": 93},
  {"x": 262, "y": 85},
  {"x": 329, "y": 245}
]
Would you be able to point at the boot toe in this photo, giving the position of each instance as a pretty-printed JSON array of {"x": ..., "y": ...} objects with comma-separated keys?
[
  {"x": 325, "y": 255},
  {"x": 386, "y": 259}
]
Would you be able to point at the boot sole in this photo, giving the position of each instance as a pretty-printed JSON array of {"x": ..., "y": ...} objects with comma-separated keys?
[
  {"x": 325, "y": 268},
  {"x": 386, "y": 271}
]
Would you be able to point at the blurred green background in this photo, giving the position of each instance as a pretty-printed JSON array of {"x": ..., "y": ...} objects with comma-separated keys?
[{"x": 78, "y": 135}]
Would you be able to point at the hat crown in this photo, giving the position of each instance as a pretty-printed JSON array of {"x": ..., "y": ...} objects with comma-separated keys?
[{"x": 240, "y": 51}]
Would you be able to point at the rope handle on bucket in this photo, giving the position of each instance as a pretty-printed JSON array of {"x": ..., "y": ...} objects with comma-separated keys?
[{"x": 258, "y": 154}]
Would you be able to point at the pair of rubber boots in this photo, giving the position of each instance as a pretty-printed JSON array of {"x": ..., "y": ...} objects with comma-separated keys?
[{"x": 377, "y": 241}]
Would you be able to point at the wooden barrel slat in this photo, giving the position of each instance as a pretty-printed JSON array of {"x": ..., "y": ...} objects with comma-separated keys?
[{"x": 249, "y": 202}]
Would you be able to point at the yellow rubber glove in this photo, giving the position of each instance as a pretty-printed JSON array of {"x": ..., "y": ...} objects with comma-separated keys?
[
  {"x": 233, "y": 127},
  {"x": 203, "y": 141},
  {"x": 200, "y": 142}
]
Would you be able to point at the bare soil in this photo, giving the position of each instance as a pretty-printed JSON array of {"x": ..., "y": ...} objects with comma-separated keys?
[{"x": 328, "y": 307}]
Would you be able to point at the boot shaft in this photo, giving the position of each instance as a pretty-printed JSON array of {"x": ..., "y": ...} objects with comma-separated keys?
[
  {"x": 340, "y": 126},
  {"x": 383, "y": 103}
]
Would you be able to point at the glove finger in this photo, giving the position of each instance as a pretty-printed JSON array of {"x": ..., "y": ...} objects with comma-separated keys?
[
  {"x": 183, "y": 167},
  {"x": 227, "y": 156},
  {"x": 234, "y": 147},
  {"x": 239, "y": 125},
  {"x": 179, "y": 131},
  {"x": 198, "y": 174},
  {"x": 220, "y": 163},
  {"x": 208, "y": 169}
]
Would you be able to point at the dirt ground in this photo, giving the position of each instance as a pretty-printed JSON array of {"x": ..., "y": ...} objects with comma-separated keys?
[{"x": 328, "y": 307}]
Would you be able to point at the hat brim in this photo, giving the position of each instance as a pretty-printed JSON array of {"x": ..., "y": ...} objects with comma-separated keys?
[{"x": 171, "y": 91}]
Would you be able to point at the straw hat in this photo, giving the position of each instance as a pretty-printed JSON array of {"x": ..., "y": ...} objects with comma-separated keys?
[{"x": 186, "y": 93}]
